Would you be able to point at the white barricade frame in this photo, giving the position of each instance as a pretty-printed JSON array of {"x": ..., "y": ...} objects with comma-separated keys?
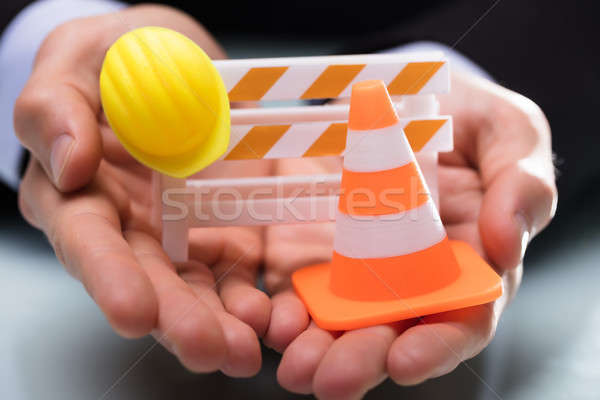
[{"x": 302, "y": 131}]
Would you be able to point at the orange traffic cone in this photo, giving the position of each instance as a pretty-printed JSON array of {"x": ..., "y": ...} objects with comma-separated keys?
[{"x": 392, "y": 259}]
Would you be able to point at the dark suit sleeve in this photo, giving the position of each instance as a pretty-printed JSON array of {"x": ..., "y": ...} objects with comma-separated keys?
[{"x": 9, "y": 9}]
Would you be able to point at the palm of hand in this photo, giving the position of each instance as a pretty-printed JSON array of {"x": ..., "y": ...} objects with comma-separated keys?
[
  {"x": 206, "y": 311},
  {"x": 231, "y": 256}
]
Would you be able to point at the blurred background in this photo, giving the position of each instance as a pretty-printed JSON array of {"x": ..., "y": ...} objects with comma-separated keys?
[{"x": 55, "y": 343}]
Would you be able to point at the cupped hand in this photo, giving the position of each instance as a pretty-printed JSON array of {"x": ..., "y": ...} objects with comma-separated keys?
[
  {"x": 496, "y": 192},
  {"x": 93, "y": 202}
]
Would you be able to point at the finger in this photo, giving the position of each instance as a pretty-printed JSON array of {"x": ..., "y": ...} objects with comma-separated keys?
[
  {"x": 301, "y": 359},
  {"x": 23, "y": 202},
  {"x": 507, "y": 137},
  {"x": 355, "y": 363},
  {"x": 243, "y": 300},
  {"x": 462, "y": 195},
  {"x": 56, "y": 124},
  {"x": 85, "y": 232},
  {"x": 516, "y": 205},
  {"x": 56, "y": 114},
  {"x": 186, "y": 324},
  {"x": 234, "y": 255},
  {"x": 517, "y": 172},
  {"x": 244, "y": 353},
  {"x": 439, "y": 343},
  {"x": 289, "y": 319},
  {"x": 243, "y": 348}
]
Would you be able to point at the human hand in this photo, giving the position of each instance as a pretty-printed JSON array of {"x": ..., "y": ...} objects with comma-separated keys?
[
  {"x": 207, "y": 311},
  {"x": 496, "y": 192}
]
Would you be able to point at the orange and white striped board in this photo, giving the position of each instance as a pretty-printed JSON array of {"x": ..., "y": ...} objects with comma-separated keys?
[
  {"x": 327, "y": 138},
  {"x": 304, "y": 78}
]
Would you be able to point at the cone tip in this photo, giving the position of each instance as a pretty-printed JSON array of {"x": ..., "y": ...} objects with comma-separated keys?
[{"x": 371, "y": 106}]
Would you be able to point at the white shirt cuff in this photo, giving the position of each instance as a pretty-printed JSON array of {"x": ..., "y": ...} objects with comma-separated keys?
[
  {"x": 456, "y": 59},
  {"x": 18, "y": 47}
]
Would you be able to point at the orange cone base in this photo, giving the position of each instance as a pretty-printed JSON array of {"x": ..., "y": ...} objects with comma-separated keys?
[{"x": 477, "y": 284}]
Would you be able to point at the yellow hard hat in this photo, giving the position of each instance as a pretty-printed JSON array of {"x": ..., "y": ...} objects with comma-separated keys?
[{"x": 165, "y": 101}]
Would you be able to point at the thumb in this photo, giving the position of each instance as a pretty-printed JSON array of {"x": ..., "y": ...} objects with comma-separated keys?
[
  {"x": 56, "y": 123},
  {"x": 56, "y": 114},
  {"x": 515, "y": 207}
]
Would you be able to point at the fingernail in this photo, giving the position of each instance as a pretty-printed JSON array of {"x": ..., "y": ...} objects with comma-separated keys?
[
  {"x": 525, "y": 233},
  {"x": 61, "y": 149}
]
